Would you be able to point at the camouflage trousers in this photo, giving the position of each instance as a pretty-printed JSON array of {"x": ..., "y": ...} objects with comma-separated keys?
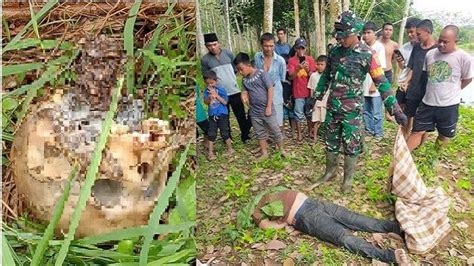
[{"x": 345, "y": 129}]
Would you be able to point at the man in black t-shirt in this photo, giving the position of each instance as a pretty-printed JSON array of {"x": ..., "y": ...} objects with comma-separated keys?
[{"x": 415, "y": 84}]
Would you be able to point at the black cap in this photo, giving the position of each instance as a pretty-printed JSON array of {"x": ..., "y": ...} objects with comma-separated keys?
[
  {"x": 210, "y": 37},
  {"x": 300, "y": 42}
]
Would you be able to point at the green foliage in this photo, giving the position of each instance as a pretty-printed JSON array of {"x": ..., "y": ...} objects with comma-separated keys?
[
  {"x": 37, "y": 17},
  {"x": 464, "y": 183},
  {"x": 237, "y": 185},
  {"x": 244, "y": 219},
  {"x": 162, "y": 204},
  {"x": 128, "y": 37},
  {"x": 273, "y": 209}
]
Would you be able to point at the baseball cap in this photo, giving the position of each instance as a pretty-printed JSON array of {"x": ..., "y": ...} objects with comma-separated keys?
[{"x": 300, "y": 42}]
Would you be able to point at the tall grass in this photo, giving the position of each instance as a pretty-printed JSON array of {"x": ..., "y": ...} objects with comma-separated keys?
[{"x": 128, "y": 37}]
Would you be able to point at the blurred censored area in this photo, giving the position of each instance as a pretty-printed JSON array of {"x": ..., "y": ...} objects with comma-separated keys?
[{"x": 66, "y": 67}]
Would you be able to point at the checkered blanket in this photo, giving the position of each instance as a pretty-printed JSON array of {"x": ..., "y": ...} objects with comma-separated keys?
[{"x": 421, "y": 211}]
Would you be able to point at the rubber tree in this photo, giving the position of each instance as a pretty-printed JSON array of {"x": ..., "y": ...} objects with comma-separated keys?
[{"x": 268, "y": 16}]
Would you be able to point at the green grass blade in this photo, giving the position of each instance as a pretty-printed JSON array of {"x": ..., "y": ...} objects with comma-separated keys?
[
  {"x": 58, "y": 212},
  {"x": 44, "y": 10},
  {"x": 173, "y": 258},
  {"x": 91, "y": 174},
  {"x": 53, "y": 69},
  {"x": 6, "y": 28},
  {"x": 7, "y": 136},
  {"x": 129, "y": 233},
  {"x": 46, "y": 44},
  {"x": 128, "y": 37},
  {"x": 19, "y": 68},
  {"x": 151, "y": 46},
  {"x": 162, "y": 203},
  {"x": 7, "y": 252},
  {"x": 34, "y": 21}
]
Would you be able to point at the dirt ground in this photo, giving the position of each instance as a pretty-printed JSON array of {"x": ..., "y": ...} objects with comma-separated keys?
[{"x": 229, "y": 183}]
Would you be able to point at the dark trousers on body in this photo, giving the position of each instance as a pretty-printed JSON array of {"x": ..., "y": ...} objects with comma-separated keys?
[
  {"x": 332, "y": 223},
  {"x": 235, "y": 103}
]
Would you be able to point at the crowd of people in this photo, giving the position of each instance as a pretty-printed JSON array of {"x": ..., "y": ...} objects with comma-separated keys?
[{"x": 341, "y": 97}]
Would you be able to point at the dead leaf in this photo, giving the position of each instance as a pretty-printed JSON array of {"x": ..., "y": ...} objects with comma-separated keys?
[
  {"x": 470, "y": 261},
  {"x": 378, "y": 239},
  {"x": 288, "y": 262},
  {"x": 223, "y": 198},
  {"x": 395, "y": 236},
  {"x": 298, "y": 182},
  {"x": 462, "y": 225},
  {"x": 469, "y": 246},
  {"x": 275, "y": 245},
  {"x": 294, "y": 255},
  {"x": 430, "y": 256},
  {"x": 210, "y": 249},
  {"x": 269, "y": 262},
  {"x": 227, "y": 249},
  {"x": 453, "y": 252},
  {"x": 259, "y": 246}
]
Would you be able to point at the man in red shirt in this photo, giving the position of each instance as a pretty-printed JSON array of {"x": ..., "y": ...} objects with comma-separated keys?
[{"x": 300, "y": 68}]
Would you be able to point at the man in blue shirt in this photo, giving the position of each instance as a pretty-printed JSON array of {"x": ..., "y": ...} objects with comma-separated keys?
[
  {"x": 275, "y": 66},
  {"x": 282, "y": 47}
]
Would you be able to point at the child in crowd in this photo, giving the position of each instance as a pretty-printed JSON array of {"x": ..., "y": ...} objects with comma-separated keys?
[
  {"x": 216, "y": 98},
  {"x": 258, "y": 93},
  {"x": 319, "y": 109}
]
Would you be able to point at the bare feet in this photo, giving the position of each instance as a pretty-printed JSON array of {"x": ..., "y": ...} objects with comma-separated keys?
[{"x": 401, "y": 257}]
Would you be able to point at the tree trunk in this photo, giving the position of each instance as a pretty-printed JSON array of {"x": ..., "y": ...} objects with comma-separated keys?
[
  {"x": 317, "y": 23},
  {"x": 333, "y": 12},
  {"x": 297, "y": 18},
  {"x": 345, "y": 5},
  {"x": 200, "y": 36},
  {"x": 322, "y": 6},
  {"x": 213, "y": 21},
  {"x": 268, "y": 16},
  {"x": 206, "y": 16},
  {"x": 404, "y": 21},
  {"x": 227, "y": 24},
  {"x": 238, "y": 44}
]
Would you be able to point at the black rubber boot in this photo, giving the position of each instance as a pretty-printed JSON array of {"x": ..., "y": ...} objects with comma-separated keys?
[
  {"x": 331, "y": 167},
  {"x": 349, "y": 169}
]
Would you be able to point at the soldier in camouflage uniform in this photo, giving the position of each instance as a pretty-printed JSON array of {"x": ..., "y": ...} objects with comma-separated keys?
[{"x": 348, "y": 63}]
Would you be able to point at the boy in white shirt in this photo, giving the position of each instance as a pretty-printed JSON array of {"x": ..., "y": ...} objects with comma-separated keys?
[{"x": 319, "y": 109}]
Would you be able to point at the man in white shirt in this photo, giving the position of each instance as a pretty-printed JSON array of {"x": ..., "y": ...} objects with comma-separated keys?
[
  {"x": 373, "y": 110},
  {"x": 449, "y": 70}
]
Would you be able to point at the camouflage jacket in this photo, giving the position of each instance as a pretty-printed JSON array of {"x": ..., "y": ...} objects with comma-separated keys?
[{"x": 344, "y": 75}]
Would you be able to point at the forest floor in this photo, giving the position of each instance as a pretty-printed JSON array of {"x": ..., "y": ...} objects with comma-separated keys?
[{"x": 226, "y": 185}]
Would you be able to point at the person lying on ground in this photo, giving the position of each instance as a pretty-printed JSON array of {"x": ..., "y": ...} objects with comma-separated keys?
[
  {"x": 327, "y": 222},
  {"x": 258, "y": 93}
]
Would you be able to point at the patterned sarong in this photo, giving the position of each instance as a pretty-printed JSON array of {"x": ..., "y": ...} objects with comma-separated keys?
[{"x": 422, "y": 212}]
